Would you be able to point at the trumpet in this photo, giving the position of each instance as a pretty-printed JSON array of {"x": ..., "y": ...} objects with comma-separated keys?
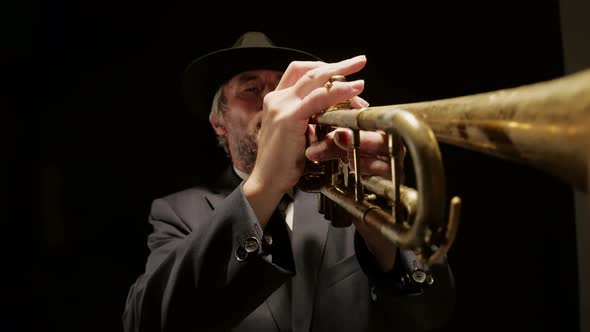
[{"x": 545, "y": 125}]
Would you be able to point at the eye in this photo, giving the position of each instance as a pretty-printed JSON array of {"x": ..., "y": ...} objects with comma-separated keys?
[{"x": 251, "y": 89}]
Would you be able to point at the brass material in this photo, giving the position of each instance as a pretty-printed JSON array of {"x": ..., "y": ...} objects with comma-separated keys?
[
  {"x": 545, "y": 125},
  {"x": 337, "y": 78},
  {"x": 358, "y": 187},
  {"x": 330, "y": 83}
]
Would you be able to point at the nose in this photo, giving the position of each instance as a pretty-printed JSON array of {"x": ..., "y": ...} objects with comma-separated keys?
[
  {"x": 258, "y": 118},
  {"x": 266, "y": 90}
]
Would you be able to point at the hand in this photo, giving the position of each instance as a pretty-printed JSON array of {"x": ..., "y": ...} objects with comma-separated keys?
[
  {"x": 373, "y": 150},
  {"x": 285, "y": 121},
  {"x": 374, "y": 160}
]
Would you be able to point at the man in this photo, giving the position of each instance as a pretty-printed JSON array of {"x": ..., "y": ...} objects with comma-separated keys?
[{"x": 226, "y": 257}]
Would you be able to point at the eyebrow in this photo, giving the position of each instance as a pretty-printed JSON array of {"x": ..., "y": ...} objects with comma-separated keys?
[
  {"x": 247, "y": 78},
  {"x": 244, "y": 78}
]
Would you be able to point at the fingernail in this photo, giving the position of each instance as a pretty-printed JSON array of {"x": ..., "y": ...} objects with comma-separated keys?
[
  {"x": 341, "y": 138},
  {"x": 355, "y": 59},
  {"x": 358, "y": 85},
  {"x": 363, "y": 102}
]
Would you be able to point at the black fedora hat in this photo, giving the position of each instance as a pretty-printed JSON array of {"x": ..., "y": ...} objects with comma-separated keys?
[{"x": 253, "y": 50}]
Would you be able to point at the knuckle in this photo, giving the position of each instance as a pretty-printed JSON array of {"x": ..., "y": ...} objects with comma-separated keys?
[
  {"x": 296, "y": 64},
  {"x": 311, "y": 75}
]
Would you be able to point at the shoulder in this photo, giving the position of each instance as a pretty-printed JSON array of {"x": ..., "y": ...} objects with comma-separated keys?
[
  {"x": 185, "y": 204},
  {"x": 187, "y": 195},
  {"x": 194, "y": 201}
]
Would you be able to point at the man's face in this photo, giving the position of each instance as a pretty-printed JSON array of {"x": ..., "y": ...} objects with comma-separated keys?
[{"x": 244, "y": 95}]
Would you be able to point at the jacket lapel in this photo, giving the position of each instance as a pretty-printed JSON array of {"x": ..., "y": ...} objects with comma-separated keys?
[
  {"x": 279, "y": 302},
  {"x": 308, "y": 241},
  {"x": 223, "y": 186},
  {"x": 279, "y": 305}
]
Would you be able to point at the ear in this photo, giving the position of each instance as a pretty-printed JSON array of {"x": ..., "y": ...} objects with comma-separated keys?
[{"x": 217, "y": 125}]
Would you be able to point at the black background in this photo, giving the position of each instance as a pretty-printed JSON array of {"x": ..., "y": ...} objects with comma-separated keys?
[{"x": 105, "y": 131}]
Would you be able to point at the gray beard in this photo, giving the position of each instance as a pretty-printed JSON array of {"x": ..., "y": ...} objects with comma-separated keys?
[{"x": 247, "y": 148}]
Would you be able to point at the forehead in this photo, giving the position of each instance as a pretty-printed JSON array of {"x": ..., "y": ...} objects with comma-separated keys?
[{"x": 255, "y": 75}]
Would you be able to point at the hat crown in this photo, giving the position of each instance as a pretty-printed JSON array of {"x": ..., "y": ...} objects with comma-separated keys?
[
  {"x": 253, "y": 50},
  {"x": 253, "y": 39}
]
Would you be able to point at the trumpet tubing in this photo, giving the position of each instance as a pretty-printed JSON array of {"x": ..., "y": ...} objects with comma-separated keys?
[{"x": 545, "y": 125}]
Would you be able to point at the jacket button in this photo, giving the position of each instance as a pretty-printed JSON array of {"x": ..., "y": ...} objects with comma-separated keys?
[
  {"x": 266, "y": 244},
  {"x": 248, "y": 248},
  {"x": 268, "y": 239},
  {"x": 373, "y": 294}
]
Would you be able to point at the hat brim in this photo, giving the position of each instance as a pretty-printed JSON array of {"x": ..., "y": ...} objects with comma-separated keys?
[{"x": 205, "y": 75}]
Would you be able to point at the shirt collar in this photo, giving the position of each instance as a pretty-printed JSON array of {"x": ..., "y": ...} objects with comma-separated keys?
[{"x": 244, "y": 176}]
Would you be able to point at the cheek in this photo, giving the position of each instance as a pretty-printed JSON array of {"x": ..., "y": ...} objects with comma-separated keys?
[
  {"x": 244, "y": 115},
  {"x": 248, "y": 105},
  {"x": 256, "y": 120},
  {"x": 238, "y": 126},
  {"x": 248, "y": 122}
]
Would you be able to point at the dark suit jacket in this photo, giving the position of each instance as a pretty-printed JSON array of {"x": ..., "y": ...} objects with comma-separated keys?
[{"x": 322, "y": 280}]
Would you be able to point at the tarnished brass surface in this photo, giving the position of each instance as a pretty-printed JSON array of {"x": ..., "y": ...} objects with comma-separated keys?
[
  {"x": 545, "y": 125},
  {"x": 427, "y": 232}
]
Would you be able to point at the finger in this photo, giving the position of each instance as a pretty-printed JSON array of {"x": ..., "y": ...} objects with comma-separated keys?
[
  {"x": 321, "y": 98},
  {"x": 295, "y": 70},
  {"x": 338, "y": 143},
  {"x": 371, "y": 142},
  {"x": 374, "y": 166},
  {"x": 311, "y": 134},
  {"x": 317, "y": 77},
  {"x": 325, "y": 150},
  {"x": 358, "y": 102}
]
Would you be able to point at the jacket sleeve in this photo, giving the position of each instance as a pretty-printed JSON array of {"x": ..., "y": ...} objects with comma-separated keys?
[
  {"x": 193, "y": 277},
  {"x": 399, "y": 303}
]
